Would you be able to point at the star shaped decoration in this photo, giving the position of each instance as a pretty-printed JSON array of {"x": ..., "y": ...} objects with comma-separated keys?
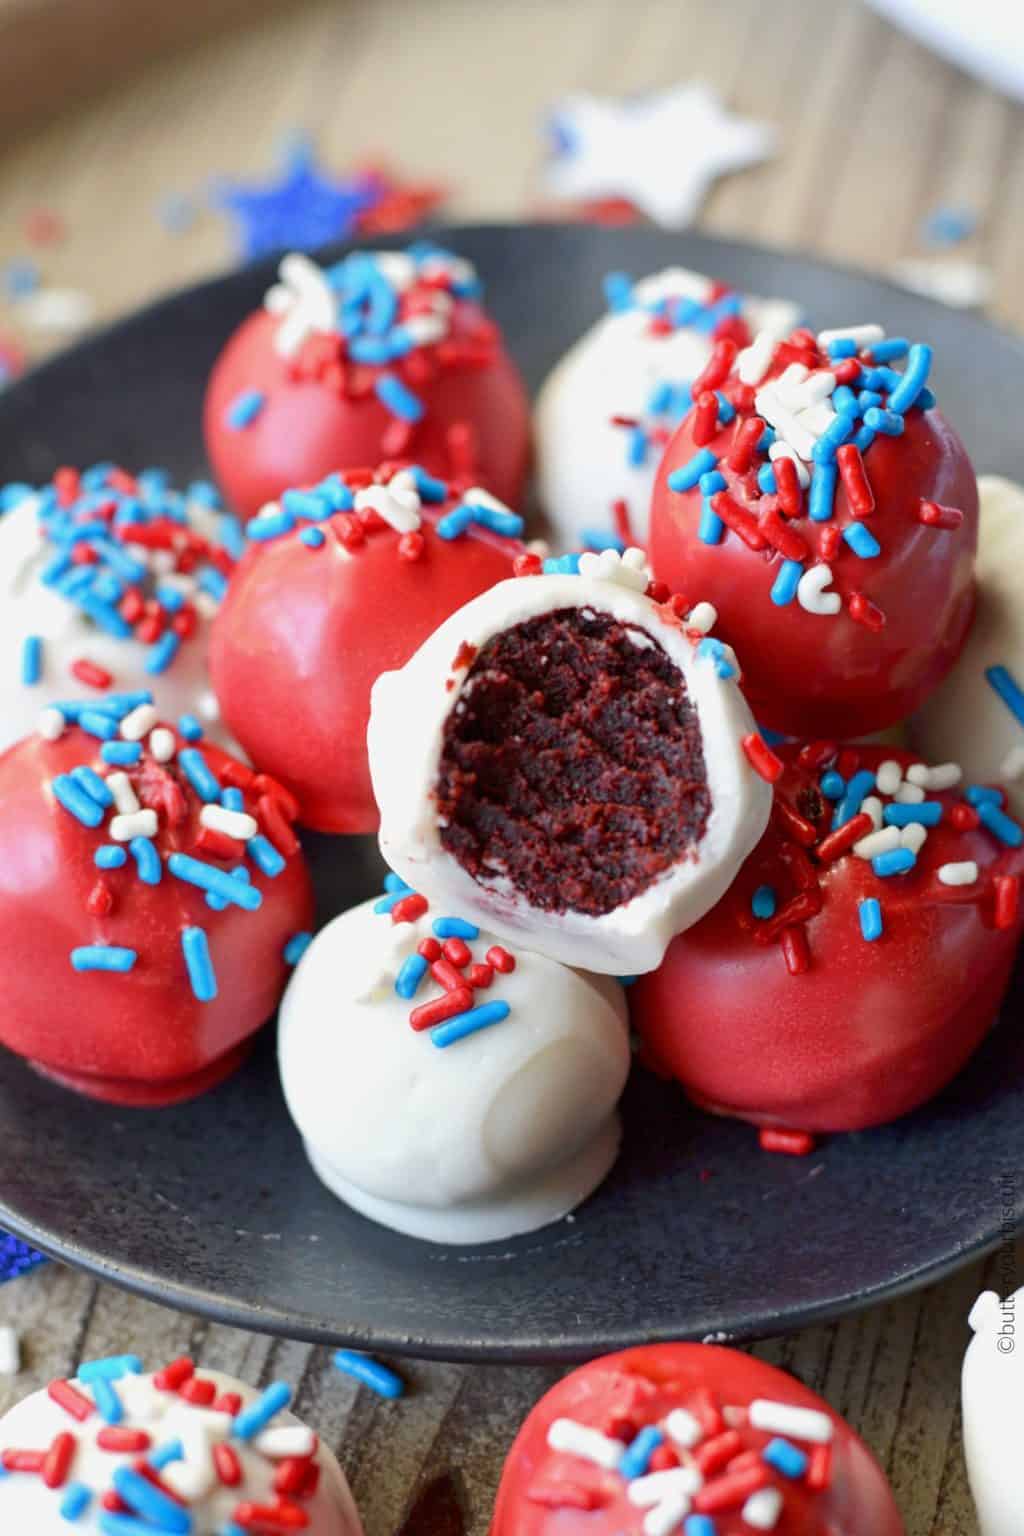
[
  {"x": 660, "y": 152},
  {"x": 299, "y": 210}
]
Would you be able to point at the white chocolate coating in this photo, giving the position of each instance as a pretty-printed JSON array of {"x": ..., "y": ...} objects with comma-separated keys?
[
  {"x": 407, "y": 717},
  {"x": 965, "y": 719},
  {"x": 582, "y": 460},
  {"x": 992, "y": 1386},
  {"x": 28, "y": 1506},
  {"x": 502, "y": 1132}
]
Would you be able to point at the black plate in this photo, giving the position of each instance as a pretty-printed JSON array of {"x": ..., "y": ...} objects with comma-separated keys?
[{"x": 211, "y": 1207}]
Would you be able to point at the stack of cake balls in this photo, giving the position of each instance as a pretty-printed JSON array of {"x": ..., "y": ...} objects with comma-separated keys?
[{"x": 724, "y": 767}]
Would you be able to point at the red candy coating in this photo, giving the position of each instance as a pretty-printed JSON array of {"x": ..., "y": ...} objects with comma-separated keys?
[
  {"x": 868, "y": 1030},
  {"x": 302, "y": 636},
  {"x": 553, "y": 1493},
  {"x": 307, "y": 428},
  {"x": 140, "y": 1037},
  {"x": 872, "y": 666}
]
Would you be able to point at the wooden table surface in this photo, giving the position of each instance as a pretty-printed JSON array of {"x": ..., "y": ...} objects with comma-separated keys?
[{"x": 875, "y": 133}]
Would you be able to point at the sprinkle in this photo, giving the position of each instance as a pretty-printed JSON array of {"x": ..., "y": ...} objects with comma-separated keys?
[
  {"x": 762, "y": 1509},
  {"x": 927, "y": 812},
  {"x": 412, "y": 972},
  {"x": 244, "y": 409},
  {"x": 102, "y": 957},
  {"x": 236, "y": 824},
  {"x": 125, "y": 798},
  {"x": 871, "y": 925},
  {"x": 1009, "y": 690},
  {"x": 370, "y": 1373},
  {"x": 812, "y": 592},
  {"x": 1000, "y": 825},
  {"x": 160, "y": 655},
  {"x": 915, "y": 375},
  {"x": 832, "y": 785},
  {"x": 157, "y": 1508},
  {"x": 399, "y": 400},
  {"x": 313, "y": 538},
  {"x": 773, "y": 1138},
  {"x": 688, "y": 475},
  {"x": 71, "y": 1400},
  {"x": 196, "y": 949},
  {"x": 965, "y": 873},
  {"x": 162, "y": 744},
  {"x": 858, "y": 786},
  {"x": 822, "y": 496},
  {"x": 455, "y": 928},
  {"x": 877, "y": 420},
  {"x": 147, "y": 860},
  {"x": 31, "y": 660},
  {"x": 269, "y": 523},
  {"x": 796, "y": 1423},
  {"x": 703, "y": 618},
  {"x": 934, "y": 515},
  {"x": 862, "y": 541},
  {"x": 589, "y": 1444},
  {"x": 845, "y": 836},
  {"x": 1007, "y": 905},
  {"x": 76, "y": 801},
  {"x": 121, "y": 754},
  {"x": 501, "y": 960},
  {"x": 795, "y": 951},
  {"x": 784, "y": 588},
  {"x": 265, "y": 856},
  {"x": 97, "y": 723},
  {"x": 763, "y": 902},
  {"x": 190, "y": 728},
  {"x": 876, "y": 843},
  {"x": 256, "y": 1417},
  {"x": 983, "y": 794},
  {"x": 469, "y": 1023},
  {"x": 135, "y": 824},
  {"x": 50, "y": 724},
  {"x": 76, "y": 1500},
  {"x": 682, "y": 1427},
  {"x": 641, "y": 1448},
  {"x": 761, "y": 758},
  {"x": 208, "y": 878},
  {"x": 942, "y": 776},
  {"x": 897, "y": 861}
]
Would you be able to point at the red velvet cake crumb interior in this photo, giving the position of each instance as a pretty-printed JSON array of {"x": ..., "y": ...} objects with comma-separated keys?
[{"x": 572, "y": 763}]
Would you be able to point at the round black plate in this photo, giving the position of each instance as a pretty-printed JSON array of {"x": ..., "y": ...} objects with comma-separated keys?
[{"x": 211, "y": 1207}]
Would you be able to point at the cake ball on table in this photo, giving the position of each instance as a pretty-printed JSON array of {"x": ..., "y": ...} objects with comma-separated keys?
[
  {"x": 569, "y": 761},
  {"x": 606, "y": 411},
  {"x": 690, "y": 1439},
  {"x": 446, "y": 1084},
  {"x": 992, "y": 1387},
  {"x": 109, "y": 581},
  {"x": 117, "y": 1451},
  {"x": 386, "y": 354},
  {"x": 343, "y": 581},
  {"x": 151, "y": 895},
  {"x": 816, "y": 496},
  {"x": 860, "y": 956},
  {"x": 978, "y": 712}
]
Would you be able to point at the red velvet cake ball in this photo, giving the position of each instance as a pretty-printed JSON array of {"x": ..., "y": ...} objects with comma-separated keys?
[
  {"x": 830, "y": 513},
  {"x": 341, "y": 583},
  {"x": 860, "y": 956},
  {"x": 150, "y": 888},
  {"x": 385, "y": 355},
  {"x": 689, "y": 1440}
]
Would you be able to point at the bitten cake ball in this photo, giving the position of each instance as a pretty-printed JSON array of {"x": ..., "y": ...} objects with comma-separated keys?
[
  {"x": 385, "y": 355},
  {"x": 859, "y": 957},
  {"x": 689, "y": 1440},
  {"x": 992, "y": 1386},
  {"x": 569, "y": 761},
  {"x": 342, "y": 582},
  {"x": 151, "y": 894},
  {"x": 609, "y": 407},
  {"x": 446, "y": 1085},
  {"x": 118, "y": 1452},
  {"x": 820, "y": 501},
  {"x": 109, "y": 580},
  {"x": 978, "y": 712}
]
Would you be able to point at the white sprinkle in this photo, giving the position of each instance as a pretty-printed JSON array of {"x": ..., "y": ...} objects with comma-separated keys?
[
  {"x": 206, "y": 604},
  {"x": 784, "y": 451},
  {"x": 134, "y": 824},
  {"x": 655, "y": 1486},
  {"x": 909, "y": 794},
  {"x": 425, "y": 329},
  {"x": 941, "y": 776},
  {"x": 883, "y": 841},
  {"x": 192, "y": 1479},
  {"x": 818, "y": 386},
  {"x": 812, "y": 594},
  {"x": 959, "y": 874},
  {"x": 539, "y": 547},
  {"x": 286, "y": 1440},
  {"x": 1012, "y": 766},
  {"x": 140, "y": 1399},
  {"x": 768, "y": 404},
  {"x": 50, "y": 724},
  {"x": 10, "y": 1351},
  {"x": 683, "y": 1428},
  {"x": 816, "y": 417},
  {"x": 754, "y": 361},
  {"x": 476, "y": 496},
  {"x": 589, "y": 1444},
  {"x": 232, "y": 823},
  {"x": 609, "y": 565},
  {"x": 304, "y": 299},
  {"x": 913, "y": 836},
  {"x": 207, "y": 707},
  {"x": 873, "y": 806},
  {"x": 787, "y": 385},
  {"x": 863, "y": 335},
  {"x": 763, "y": 1508},
  {"x": 395, "y": 507},
  {"x": 889, "y": 776},
  {"x": 703, "y": 617},
  {"x": 398, "y": 267},
  {"x": 162, "y": 744},
  {"x": 135, "y": 725},
  {"x": 784, "y": 1419},
  {"x": 120, "y": 786},
  {"x": 665, "y": 1517}
]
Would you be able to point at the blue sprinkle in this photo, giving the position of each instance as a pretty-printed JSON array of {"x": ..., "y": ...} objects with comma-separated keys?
[
  {"x": 413, "y": 970},
  {"x": 156, "y": 1507},
  {"x": 429, "y": 487},
  {"x": 888, "y": 422},
  {"x": 97, "y": 723},
  {"x": 370, "y": 1372},
  {"x": 836, "y": 433},
  {"x": 171, "y": 1450},
  {"x": 713, "y": 650},
  {"x": 296, "y": 947},
  {"x": 925, "y": 400},
  {"x": 871, "y": 925},
  {"x": 383, "y": 904},
  {"x": 160, "y": 655},
  {"x": 832, "y": 785},
  {"x": 660, "y": 398},
  {"x": 232, "y": 538},
  {"x": 1000, "y": 825},
  {"x": 915, "y": 376},
  {"x": 840, "y": 347},
  {"x": 218, "y": 903},
  {"x": 251, "y": 1420},
  {"x": 711, "y": 526},
  {"x": 981, "y": 794},
  {"x": 90, "y": 782},
  {"x": 197, "y": 770},
  {"x": 822, "y": 494},
  {"x": 401, "y": 402},
  {"x": 764, "y": 902},
  {"x": 265, "y": 856},
  {"x": 599, "y": 539},
  {"x": 509, "y": 524},
  {"x": 786, "y": 582},
  {"x": 688, "y": 475},
  {"x": 208, "y": 878},
  {"x": 863, "y": 440},
  {"x": 468, "y": 1023},
  {"x": 108, "y": 1404},
  {"x": 31, "y": 660},
  {"x": 862, "y": 541},
  {"x": 170, "y": 599},
  {"x": 393, "y": 882},
  {"x": 76, "y": 1500},
  {"x": 196, "y": 949},
  {"x": 949, "y": 226},
  {"x": 205, "y": 493},
  {"x": 843, "y": 398},
  {"x": 147, "y": 860},
  {"x": 785, "y": 1457},
  {"x": 618, "y": 291},
  {"x": 891, "y": 350},
  {"x": 726, "y": 409},
  {"x": 121, "y": 754},
  {"x": 244, "y": 409},
  {"x": 190, "y": 728},
  {"x": 455, "y": 523},
  {"x": 270, "y": 525},
  {"x": 637, "y": 1455},
  {"x": 455, "y": 928},
  {"x": 896, "y": 862},
  {"x": 636, "y": 448},
  {"x": 308, "y": 504},
  {"x": 767, "y": 483},
  {"x": 927, "y": 812},
  {"x": 20, "y": 278},
  {"x": 102, "y": 957},
  {"x": 867, "y": 398},
  {"x": 109, "y": 856},
  {"x": 232, "y": 799},
  {"x": 699, "y": 1525},
  {"x": 562, "y": 565},
  {"x": 313, "y": 538},
  {"x": 74, "y": 800},
  {"x": 858, "y": 786},
  {"x": 766, "y": 440},
  {"x": 1002, "y": 680}
]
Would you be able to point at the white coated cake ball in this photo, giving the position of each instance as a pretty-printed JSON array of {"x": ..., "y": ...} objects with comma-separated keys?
[
  {"x": 637, "y": 362},
  {"x": 992, "y": 1386},
  {"x": 156, "y": 1419},
  {"x": 967, "y": 719},
  {"x": 500, "y": 1132},
  {"x": 55, "y": 613}
]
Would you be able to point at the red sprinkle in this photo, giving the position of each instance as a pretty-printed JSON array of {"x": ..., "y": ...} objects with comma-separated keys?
[
  {"x": 846, "y": 371},
  {"x": 866, "y": 612},
  {"x": 91, "y": 675},
  {"x": 828, "y": 542},
  {"x": 1007, "y": 889},
  {"x": 713, "y": 1455},
  {"x": 843, "y": 838},
  {"x": 263, "y": 784},
  {"x": 58, "y": 1458},
  {"x": 430, "y": 949},
  {"x": 795, "y": 951},
  {"x": 663, "y": 1458},
  {"x": 748, "y": 435},
  {"x": 290, "y": 1476},
  {"x": 121, "y": 1441},
  {"x": 934, "y": 515},
  {"x": 229, "y": 1468},
  {"x": 964, "y": 817},
  {"x": 705, "y": 418},
  {"x": 798, "y": 827},
  {"x": 198, "y": 1390},
  {"x": 716, "y": 370},
  {"x": 501, "y": 959},
  {"x": 790, "y": 544},
  {"x": 100, "y": 901},
  {"x": 761, "y": 758},
  {"x": 527, "y": 565},
  {"x": 409, "y": 909},
  {"x": 411, "y": 545},
  {"x": 621, "y": 523},
  {"x": 848, "y": 762},
  {"x": 211, "y": 840},
  {"x": 855, "y": 480},
  {"x": 480, "y": 975},
  {"x": 815, "y": 754},
  {"x": 791, "y": 496},
  {"x": 565, "y": 1495},
  {"x": 742, "y": 522},
  {"x": 70, "y": 1399},
  {"x": 114, "y": 1502},
  {"x": 228, "y": 1402},
  {"x": 172, "y": 1376},
  {"x": 22, "y": 1461},
  {"x": 704, "y": 1407},
  {"x": 819, "y": 1468},
  {"x": 726, "y": 1492},
  {"x": 443, "y": 971},
  {"x": 282, "y": 1516},
  {"x": 441, "y": 1008},
  {"x": 457, "y": 951},
  {"x": 794, "y": 1143}
]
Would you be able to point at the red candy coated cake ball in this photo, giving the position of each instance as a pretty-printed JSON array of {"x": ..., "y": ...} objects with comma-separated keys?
[
  {"x": 122, "y": 981},
  {"x": 842, "y": 569},
  {"x": 839, "y": 983},
  {"x": 419, "y": 372},
  {"x": 689, "y": 1436}
]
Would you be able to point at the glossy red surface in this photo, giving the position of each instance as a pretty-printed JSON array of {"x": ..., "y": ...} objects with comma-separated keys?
[
  {"x": 141, "y": 1037},
  {"x": 871, "y": 1030},
  {"x": 810, "y": 675},
  {"x": 307, "y": 430},
  {"x": 303, "y": 635},
  {"x": 641, "y": 1387}
]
